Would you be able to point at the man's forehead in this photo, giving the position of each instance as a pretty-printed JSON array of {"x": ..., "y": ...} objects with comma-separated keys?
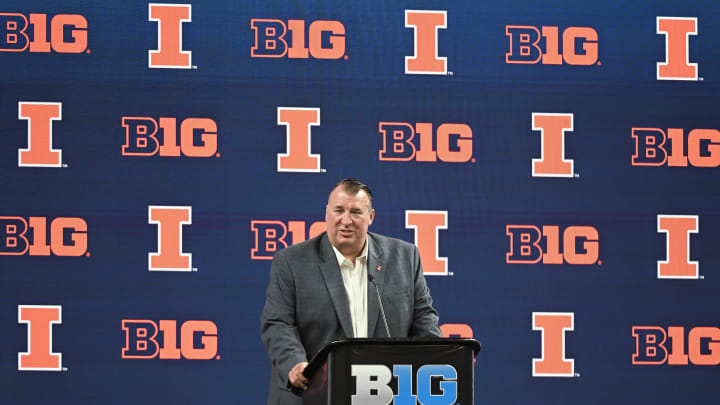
[
  {"x": 341, "y": 197},
  {"x": 340, "y": 193}
]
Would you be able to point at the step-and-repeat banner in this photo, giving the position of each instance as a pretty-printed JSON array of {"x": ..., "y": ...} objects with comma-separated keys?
[{"x": 555, "y": 163}]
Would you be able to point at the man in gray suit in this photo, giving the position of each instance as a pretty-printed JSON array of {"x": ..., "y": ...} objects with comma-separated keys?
[{"x": 319, "y": 291}]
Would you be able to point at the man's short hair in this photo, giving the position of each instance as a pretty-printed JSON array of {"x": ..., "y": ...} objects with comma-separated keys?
[{"x": 354, "y": 186}]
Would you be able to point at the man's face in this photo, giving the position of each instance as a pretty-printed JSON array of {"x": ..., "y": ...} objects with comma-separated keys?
[{"x": 348, "y": 218}]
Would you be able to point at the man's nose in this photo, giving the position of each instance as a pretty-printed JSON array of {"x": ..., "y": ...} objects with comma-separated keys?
[{"x": 346, "y": 219}]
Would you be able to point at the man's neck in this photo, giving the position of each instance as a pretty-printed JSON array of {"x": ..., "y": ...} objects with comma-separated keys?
[{"x": 353, "y": 255}]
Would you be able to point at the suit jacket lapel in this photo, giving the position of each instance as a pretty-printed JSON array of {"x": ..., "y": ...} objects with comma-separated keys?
[
  {"x": 333, "y": 281},
  {"x": 375, "y": 268}
]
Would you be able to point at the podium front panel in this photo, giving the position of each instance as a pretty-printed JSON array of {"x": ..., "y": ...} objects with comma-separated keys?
[{"x": 408, "y": 374}]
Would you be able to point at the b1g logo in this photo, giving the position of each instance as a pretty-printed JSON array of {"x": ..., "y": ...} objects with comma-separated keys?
[
  {"x": 552, "y": 162},
  {"x": 425, "y": 59},
  {"x": 170, "y": 255},
  {"x": 553, "y": 327},
  {"x": 580, "y": 245},
  {"x": 450, "y": 143},
  {"x": 271, "y": 236},
  {"x": 702, "y": 145},
  {"x": 530, "y": 45},
  {"x": 145, "y": 339},
  {"x": 170, "y": 53},
  {"x": 40, "y": 152},
  {"x": 652, "y": 347},
  {"x": 677, "y": 246},
  {"x": 276, "y": 39},
  {"x": 427, "y": 225},
  {"x": 68, "y": 33},
  {"x": 198, "y": 137},
  {"x": 298, "y": 157},
  {"x": 677, "y": 31},
  {"x": 372, "y": 384},
  {"x": 20, "y": 236},
  {"x": 40, "y": 320},
  {"x": 456, "y": 330}
]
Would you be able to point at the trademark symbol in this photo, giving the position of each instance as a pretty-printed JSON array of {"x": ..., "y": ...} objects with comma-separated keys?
[
  {"x": 217, "y": 155},
  {"x": 346, "y": 57},
  {"x": 64, "y": 165},
  {"x": 88, "y": 51},
  {"x": 702, "y": 277},
  {"x": 576, "y": 175},
  {"x": 599, "y": 262},
  {"x": 450, "y": 73},
  {"x": 323, "y": 170},
  {"x": 194, "y": 269},
  {"x": 451, "y": 274},
  {"x": 577, "y": 375},
  {"x": 194, "y": 67},
  {"x": 217, "y": 357},
  {"x": 599, "y": 63},
  {"x": 64, "y": 369},
  {"x": 701, "y": 79},
  {"x": 87, "y": 254}
]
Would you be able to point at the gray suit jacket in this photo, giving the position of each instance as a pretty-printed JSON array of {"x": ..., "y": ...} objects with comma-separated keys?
[{"x": 307, "y": 306}]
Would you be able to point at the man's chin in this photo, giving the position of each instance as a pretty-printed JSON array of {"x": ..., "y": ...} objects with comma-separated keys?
[{"x": 344, "y": 243}]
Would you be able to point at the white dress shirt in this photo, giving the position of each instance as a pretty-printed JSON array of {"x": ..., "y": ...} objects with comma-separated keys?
[{"x": 355, "y": 281}]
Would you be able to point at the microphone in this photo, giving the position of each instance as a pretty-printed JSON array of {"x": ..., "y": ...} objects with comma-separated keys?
[{"x": 382, "y": 311}]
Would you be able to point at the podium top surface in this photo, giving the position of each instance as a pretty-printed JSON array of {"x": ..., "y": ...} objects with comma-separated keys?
[{"x": 319, "y": 359}]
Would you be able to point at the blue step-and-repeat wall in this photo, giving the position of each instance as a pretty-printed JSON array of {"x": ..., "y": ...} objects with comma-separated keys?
[{"x": 556, "y": 163}]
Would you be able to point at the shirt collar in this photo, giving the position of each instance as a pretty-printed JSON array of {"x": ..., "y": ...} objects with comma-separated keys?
[{"x": 363, "y": 254}]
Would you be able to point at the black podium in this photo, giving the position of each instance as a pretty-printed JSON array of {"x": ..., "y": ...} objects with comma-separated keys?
[{"x": 407, "y": 371}]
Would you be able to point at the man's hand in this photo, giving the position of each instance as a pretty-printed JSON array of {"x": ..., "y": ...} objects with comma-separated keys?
[{"x": 296, "y": 377}]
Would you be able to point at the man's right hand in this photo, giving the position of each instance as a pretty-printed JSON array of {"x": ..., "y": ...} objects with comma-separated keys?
[{"x": 296, "y": 377}]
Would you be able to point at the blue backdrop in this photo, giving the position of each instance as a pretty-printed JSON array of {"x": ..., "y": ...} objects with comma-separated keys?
[{"x": 110, "y": 281}]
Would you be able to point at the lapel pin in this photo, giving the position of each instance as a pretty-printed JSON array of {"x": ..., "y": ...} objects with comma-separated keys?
[{"x": 379, "y": 268}]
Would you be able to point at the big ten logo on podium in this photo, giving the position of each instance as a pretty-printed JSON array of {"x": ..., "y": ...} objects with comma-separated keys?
[
  {"x": 552, "y": 161},
  {"x": 532, "y": 244},
  {"x": 272, "y": 235},
  {"x": 403, "y": 142},
  {"x": 425, "y": 59},
  {"x": 676, "y": 346},
  {"x": 41, "y": 236},
  {"x": 699, "y": 148},
  {"x": 677, "y": 32},
  {"x": 170, "y": 221},
  {"x": 42, "y": 33},
  {"x": 426, "y": 225},
  {"x": 170, "y": 19},
  {"x": 677, "y": 230},
  {"x": 372, "y": 384},
  {"x": 298, "y": 39},
  {"x": 198, "y": 137},
  {"x": 146, "y": 339},
  {"x": 551, "y": 46},
  {"x": 553, "y": 327},
  {"x": 40, "y": 355}
]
